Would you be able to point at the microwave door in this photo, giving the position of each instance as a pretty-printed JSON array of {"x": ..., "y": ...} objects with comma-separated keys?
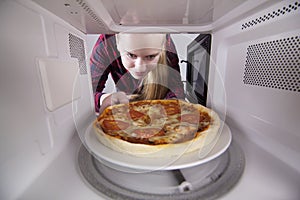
[{"x": 198, "y": 54}]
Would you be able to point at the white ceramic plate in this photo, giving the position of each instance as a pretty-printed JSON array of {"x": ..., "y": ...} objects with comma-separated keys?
[{"x": 125, "y": 162}]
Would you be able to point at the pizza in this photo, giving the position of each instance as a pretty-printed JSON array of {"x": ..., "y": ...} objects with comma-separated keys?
[{"x": 157, "y": 128}]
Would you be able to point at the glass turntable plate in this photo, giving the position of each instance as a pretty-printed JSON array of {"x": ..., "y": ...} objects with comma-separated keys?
[{"x": 125, "y": 162}]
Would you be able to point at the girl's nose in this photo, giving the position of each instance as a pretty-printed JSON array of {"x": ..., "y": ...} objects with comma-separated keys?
[{"x": 140, "y": 65}]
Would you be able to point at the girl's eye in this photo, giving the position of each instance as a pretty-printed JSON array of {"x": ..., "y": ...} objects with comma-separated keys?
[
  {"x": 150, "y": 57},
  {"x": 132, "y": 56}
]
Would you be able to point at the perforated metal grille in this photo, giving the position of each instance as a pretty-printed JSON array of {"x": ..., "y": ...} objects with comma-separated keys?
[
  {"x": 274, "y": 64},
  {"x": 77, "y": 50},
  {"x": 89, "y": 11},
  {"x": 293, "y": 7}
]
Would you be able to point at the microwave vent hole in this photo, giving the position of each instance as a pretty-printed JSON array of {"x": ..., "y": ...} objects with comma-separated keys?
[
  {"x": 293, "y": 7},
  {"x": 90, "y": 13},
  {"x": 274, "y": 64},
  {"x": 77, "y": 50}
]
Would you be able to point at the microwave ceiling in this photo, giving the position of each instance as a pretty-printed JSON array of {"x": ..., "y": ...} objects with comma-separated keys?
[
  {"x": 160, "y": 12},
  {"x": 103, "y": 16}
]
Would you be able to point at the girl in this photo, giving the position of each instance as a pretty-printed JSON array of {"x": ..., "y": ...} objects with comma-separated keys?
[{"x": 142, "y": 64}]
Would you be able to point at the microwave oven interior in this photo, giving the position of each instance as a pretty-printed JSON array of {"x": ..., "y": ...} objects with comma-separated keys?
[{"x": 239, "y": 58}]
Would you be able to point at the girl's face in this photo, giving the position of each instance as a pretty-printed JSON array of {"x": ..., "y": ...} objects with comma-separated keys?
[
  {"x": 140, "y": 52},
  {"x": 140, "y": 62}
]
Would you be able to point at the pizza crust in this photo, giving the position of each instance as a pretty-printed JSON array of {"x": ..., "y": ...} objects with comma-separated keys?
[{"x": 203, "y": 139}]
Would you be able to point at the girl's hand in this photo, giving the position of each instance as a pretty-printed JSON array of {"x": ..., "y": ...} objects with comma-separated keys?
[{"x": 112, "y": 99}]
